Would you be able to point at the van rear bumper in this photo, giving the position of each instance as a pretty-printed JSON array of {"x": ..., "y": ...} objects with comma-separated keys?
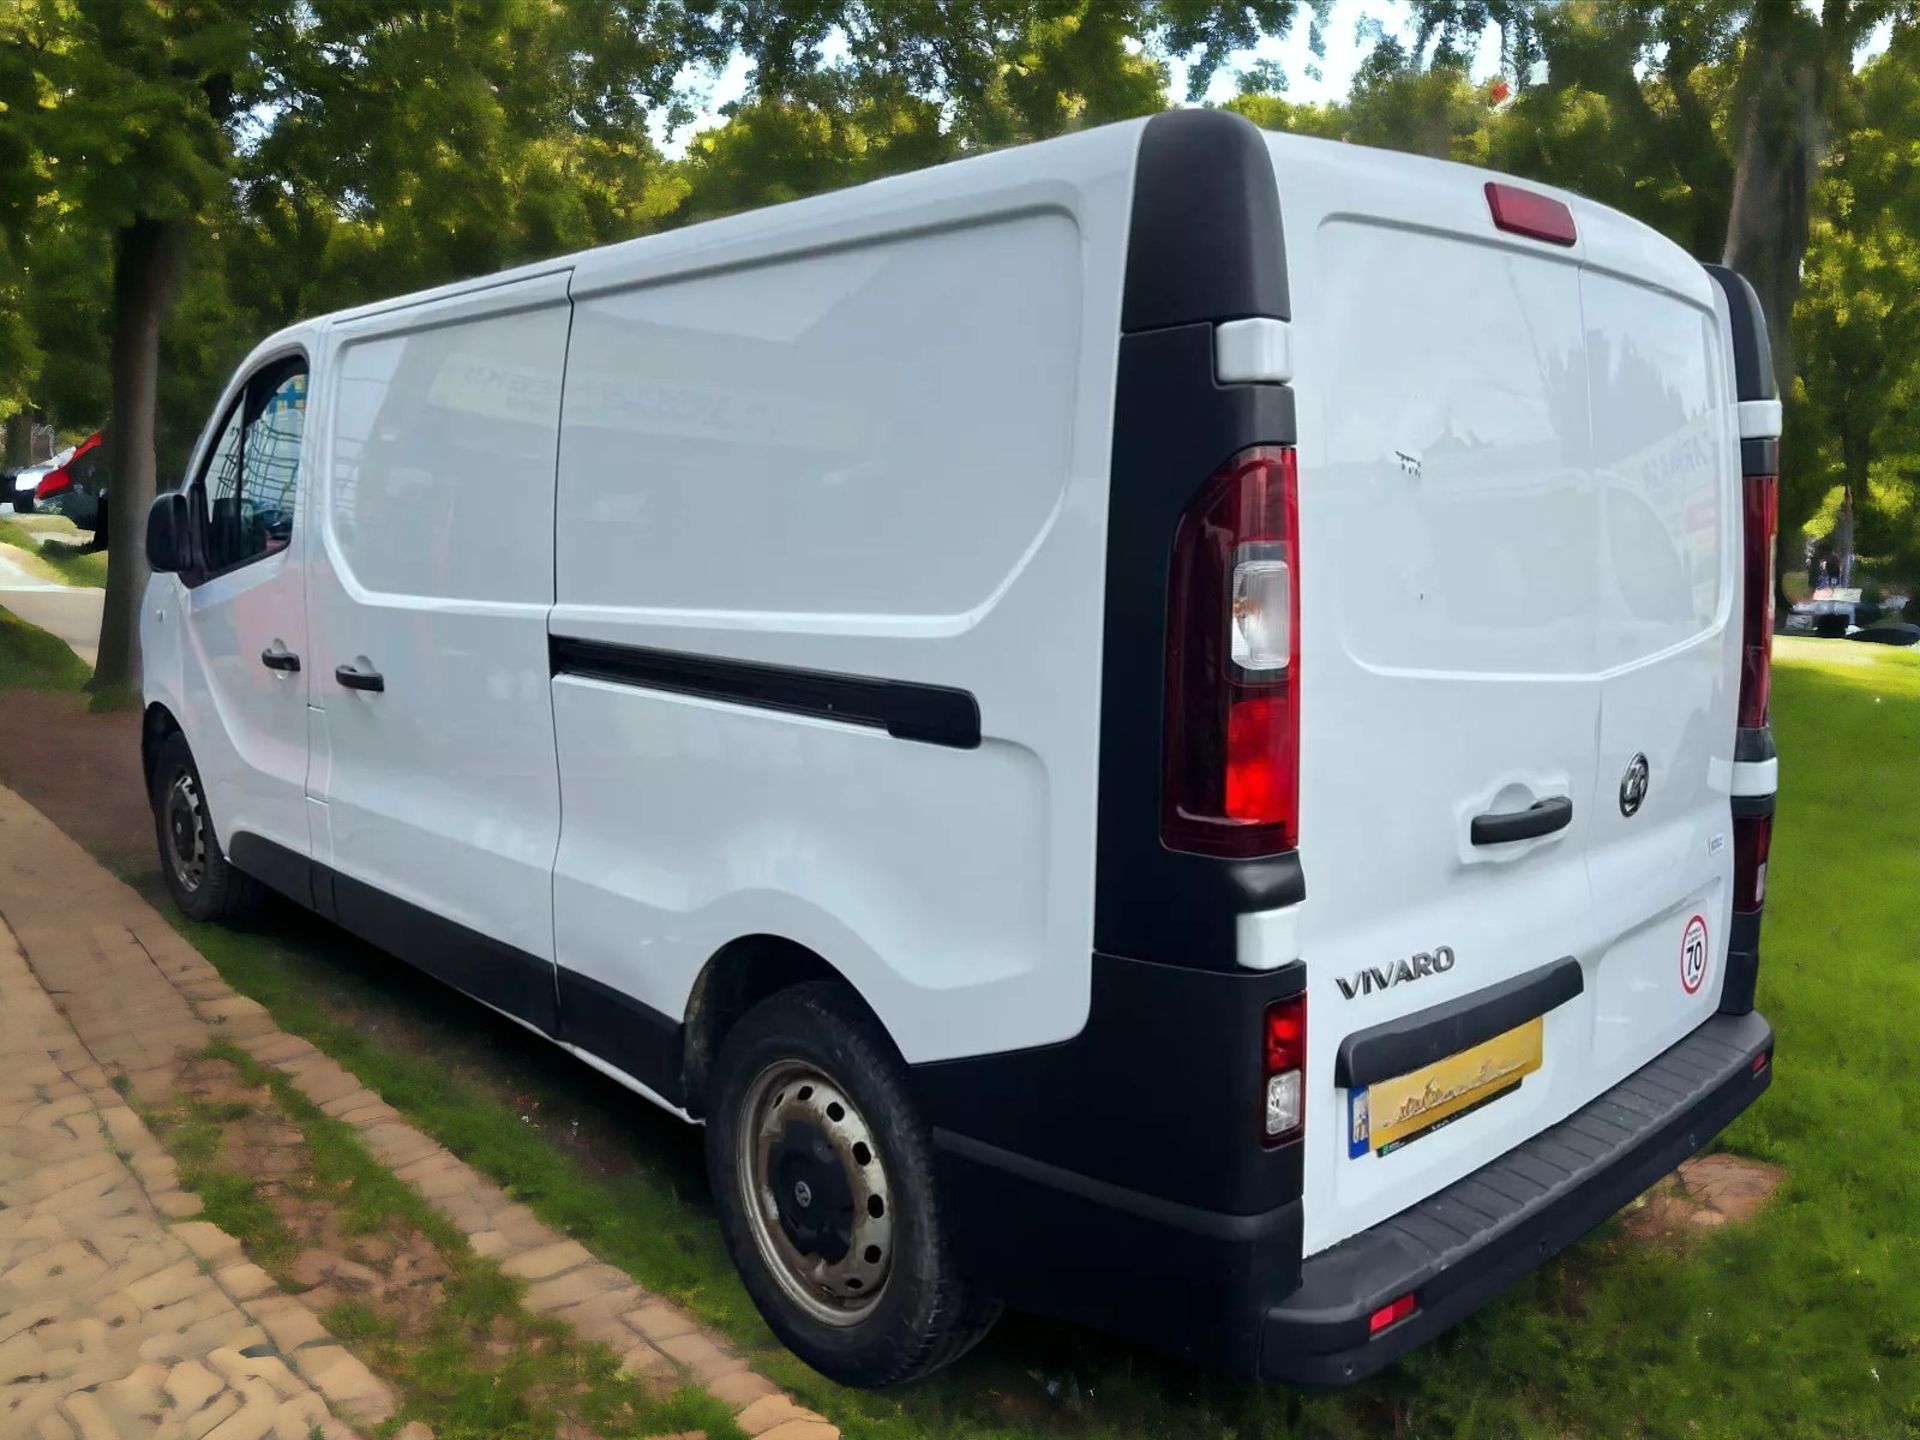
[
  {"x": 1231, "y": 1291},
  {"x": 1458, "y": 1248}
]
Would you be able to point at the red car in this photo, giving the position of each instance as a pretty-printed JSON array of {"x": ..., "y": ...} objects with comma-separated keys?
[{"x": 78, "y": 489}]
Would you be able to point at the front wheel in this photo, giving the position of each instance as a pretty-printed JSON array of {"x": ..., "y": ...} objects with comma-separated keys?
[
  {"x": 823, "y": 1175},
  {"x": 200, "y": 879}
]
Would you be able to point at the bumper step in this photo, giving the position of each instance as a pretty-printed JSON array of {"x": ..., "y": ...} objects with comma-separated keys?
[{"x": 1458, "y": 1248}]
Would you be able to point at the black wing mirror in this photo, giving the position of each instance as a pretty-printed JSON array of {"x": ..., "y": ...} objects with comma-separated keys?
[{"x": 170, "y": 534}]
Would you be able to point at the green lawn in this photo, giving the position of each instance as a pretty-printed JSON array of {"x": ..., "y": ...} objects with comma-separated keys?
[
  {"x": 67, "y": 564},
  {"x": 1805, "y": 1322}
]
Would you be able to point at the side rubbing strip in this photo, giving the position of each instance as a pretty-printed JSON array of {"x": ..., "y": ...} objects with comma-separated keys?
[
  {"x": 934, "y": 714},
  {"x": 1399, "y": 1046}
]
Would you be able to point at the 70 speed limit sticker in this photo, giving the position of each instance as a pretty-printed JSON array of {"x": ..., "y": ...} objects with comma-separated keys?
[{"x": 1693, "y": 955}]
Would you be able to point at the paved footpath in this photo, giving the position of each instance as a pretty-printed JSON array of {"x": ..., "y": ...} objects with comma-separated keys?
[
  {"x": 71, "y": 612},
  {"x": 93, "y": 1345},
  {"x": 111, "y": 1326}
]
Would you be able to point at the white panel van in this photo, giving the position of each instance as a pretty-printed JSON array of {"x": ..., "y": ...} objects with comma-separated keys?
[{"x": 1167, "y": 728}]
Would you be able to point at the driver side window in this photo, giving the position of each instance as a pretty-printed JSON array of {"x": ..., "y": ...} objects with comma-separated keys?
[{"x": 249, "y": 485}]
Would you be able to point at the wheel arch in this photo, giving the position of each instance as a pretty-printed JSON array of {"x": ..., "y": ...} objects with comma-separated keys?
[
  {"x": 156, "y": 725},
  {"x": 738, "y": 976}
]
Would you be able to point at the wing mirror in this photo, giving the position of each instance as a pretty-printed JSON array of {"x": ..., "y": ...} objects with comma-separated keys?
[{"x": 169, "y": 534}]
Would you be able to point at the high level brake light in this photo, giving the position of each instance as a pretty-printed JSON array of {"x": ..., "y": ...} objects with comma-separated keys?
[
  {"x": 1524, "y": 212},
  {"x": 1232, "y": 762}
]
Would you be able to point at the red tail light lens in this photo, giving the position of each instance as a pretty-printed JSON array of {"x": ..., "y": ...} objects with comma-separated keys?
[
  {"x": 1285, "y": 1070},
  {"x": 1232, "y": 765},
  {"x": 1522, "y": 212},
  {"x": 1392, "y": 1313},
  {"x": 1752, "y": 839},
  {"x": 1760, "y": 507},
  {"x": 52, "y": 483}
]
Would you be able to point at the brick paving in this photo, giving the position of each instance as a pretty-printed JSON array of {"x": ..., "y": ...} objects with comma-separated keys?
[
  {"x": 140, "y": 996},
  {"x": 113, "y": 1323}
]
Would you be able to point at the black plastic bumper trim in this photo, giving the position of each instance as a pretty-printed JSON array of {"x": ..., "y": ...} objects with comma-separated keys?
[
  {"x": 1743, "y": 963},
  {"x": 1760, "y": 455},
  {"x": 906, "y": 710},
  {"x": 1752, "y": 350},
  {"x": 1460, "y": 1247},
  {"x": 1188, "y": 1219},
  {"x": 1396, "y": 1047}
]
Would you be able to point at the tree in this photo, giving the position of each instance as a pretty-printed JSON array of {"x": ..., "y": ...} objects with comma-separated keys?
[
  {"x": 124, "y": 112},
  {"x": 1856, "y": 322}
]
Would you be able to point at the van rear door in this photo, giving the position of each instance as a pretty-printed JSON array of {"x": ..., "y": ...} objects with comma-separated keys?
[
  {"x": 1465, "y": 636},
  {"x": 1665, "y": 465}
]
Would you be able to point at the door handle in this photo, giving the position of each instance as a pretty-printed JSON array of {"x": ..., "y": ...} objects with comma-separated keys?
[
  {"x": 354, "y": 679},
  {"x": 278, "y": 657},
  {"x": 1543, "y": 817}
]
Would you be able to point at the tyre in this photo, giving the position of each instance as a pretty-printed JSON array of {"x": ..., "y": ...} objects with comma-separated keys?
[
  {"x": 823, "y": 1175},
  {"x": 23, "y": 502},
  {"x": 203, "y": 884}
]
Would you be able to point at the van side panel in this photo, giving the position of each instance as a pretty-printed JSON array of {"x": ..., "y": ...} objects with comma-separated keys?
[
  {"x": 441, "y": 790},
  {"x": 815, "y": 513}
]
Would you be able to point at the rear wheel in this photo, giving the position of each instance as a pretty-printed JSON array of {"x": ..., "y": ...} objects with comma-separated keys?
[
  {"x": 23, "y": 502},
  {"x": 200, "y": 879},
  {"x": 822, "y": 1171}
]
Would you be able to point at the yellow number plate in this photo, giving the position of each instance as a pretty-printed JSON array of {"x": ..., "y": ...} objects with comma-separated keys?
[{"x": 1385, "y": 1116}]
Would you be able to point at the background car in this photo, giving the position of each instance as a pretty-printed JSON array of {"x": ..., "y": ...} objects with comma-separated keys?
[{"x": 78, "y": 489}]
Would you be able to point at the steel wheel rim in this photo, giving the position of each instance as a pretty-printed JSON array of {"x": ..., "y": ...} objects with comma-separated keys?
[
  {"x": 185, "y": 822},
  {"x": 797, "y": 1129}
]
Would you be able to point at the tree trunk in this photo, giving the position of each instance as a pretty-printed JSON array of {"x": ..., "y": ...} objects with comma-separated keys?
[
  {"x": 146, "y": 262},
  {"x": 1782, "y": 87},
  {"x": 19, "y": 452}
]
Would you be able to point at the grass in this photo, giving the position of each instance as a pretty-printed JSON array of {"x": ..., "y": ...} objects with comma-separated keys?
[
  {"x": 66, "y": 564},
  {"x": 31, "y": 659},
  {"x": 480, "y": 1366},
  {"x": 1805, "y": 1322}
]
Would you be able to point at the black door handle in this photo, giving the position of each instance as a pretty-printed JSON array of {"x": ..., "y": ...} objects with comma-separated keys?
[
  {"x": 359, "y": 679},
  {"x": 280, "y": 660},
  {"x": 1543, "y": 817}
]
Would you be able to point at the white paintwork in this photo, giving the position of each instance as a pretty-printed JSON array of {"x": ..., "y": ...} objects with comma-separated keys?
[
  {"x": 204, "y": 645},
  {"x": 869, "y": 433},
  {"x": 1256, "y": 350},
  {"x": 1517, "y": 492},
  {"x": 1759, "y": 419},
  {"x": 1753, "y": 778},
  {"x": 876, "y": 456},
  {"x": 433, "y": 500}
]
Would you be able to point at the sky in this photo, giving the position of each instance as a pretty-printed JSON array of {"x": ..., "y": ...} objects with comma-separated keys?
[{"x": 1345, "y": 51}]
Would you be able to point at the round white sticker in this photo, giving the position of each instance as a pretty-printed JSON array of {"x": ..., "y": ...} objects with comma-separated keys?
[{"x": 1693, "y": 955}]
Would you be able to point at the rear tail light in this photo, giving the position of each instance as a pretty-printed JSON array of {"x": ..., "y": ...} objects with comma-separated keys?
[
  {"x": 1760, "y": 509},
  {"x": 1285, "y": 1070},
  {"x": 1232, "y": 762},
  {"x": 53, "y": 483},
  {"x": 1752, "y": 839}
]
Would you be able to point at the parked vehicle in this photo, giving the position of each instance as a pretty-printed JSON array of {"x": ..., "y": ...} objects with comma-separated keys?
[
  {"x": 78, "y": 489},
  {"x": 27, "y": 480},
  {"x": 1167, "y": 727}
]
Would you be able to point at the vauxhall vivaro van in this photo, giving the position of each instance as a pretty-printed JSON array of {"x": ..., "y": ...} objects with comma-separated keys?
[{"x": 1167, "y": 727}]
